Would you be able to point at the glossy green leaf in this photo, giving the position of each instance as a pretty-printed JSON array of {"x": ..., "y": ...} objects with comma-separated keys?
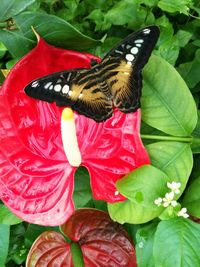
[
  {"x": 13, "y": 7},
  {"x": 167, "y": 103},
  {"x": 170, "y": 50},
  {"x": 175, "y": 6},
  {"x": 16, "y": 43},
  {"x": 191, "y": 198},
  {"x": 176, "y": 243},
  {"x": 173, "y": 158},
  {"x": 54, "y": 30},
  {"x": 141, "y": 187},
  {"x": 190, "y": 70},
  {"x": 128, "y": 12},
  {"x": 4, "y": 242},
  {"x": 7, "y": 217},
  {"x": 144, "y": 245}
]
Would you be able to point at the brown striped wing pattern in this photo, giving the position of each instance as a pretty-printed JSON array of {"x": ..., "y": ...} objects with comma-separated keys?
[{"x": 116, "y": 81}]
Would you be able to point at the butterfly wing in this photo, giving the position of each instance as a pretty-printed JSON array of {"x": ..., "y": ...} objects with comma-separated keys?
[
  {"x": 125, "y": 78},
  {"x": 91, "y": 91},
  {"x": 77, "y": 88}
]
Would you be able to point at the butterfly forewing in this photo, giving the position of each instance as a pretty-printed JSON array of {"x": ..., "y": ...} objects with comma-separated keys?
[
  {"x": 116, "y": 80},
  {"x": 76, "y": 88},
  {"x": 131, "y": 54}
]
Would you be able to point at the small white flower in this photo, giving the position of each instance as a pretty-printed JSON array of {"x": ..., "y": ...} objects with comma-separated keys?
[
  {"x": 158, "y": 201},
  {"x": 174, "y": 203},
  {"x": 174, "y": 186},
  {"x": 183, "y": 213},
  {"x": 167, "y": 200}
]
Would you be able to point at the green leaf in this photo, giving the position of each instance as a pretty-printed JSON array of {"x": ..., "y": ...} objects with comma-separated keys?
[
  {"x": 3, "y": 50},
  {"x": 128, "y": 12},
  {"x": 7, "y": 217},
  {"x": 191, "y": 198},
  {"x": 54, "y": 30},
  {"x": 17, "y": 44},
  {"x": 166, "y": 29},
  {"x": 76, "y": 255},
  {"x": 167, "y": 103},
  {"x": 176, "y": 243},
  {"x": 150, "y": 3},
  {"x": 173, "y": 158},
  {"x": 4, "y": 242},
  {"x": 141, "y": 187},
  {"x": 172, "y": 6},
  {"x": 169, "y": 50},
  {"x": 13, "y": 7},
  {"x": 196, "y": 137},
  {"x": 183, "y": 37},
  {"x": 190, "y": 70},
  {"x": 82, "y": 190},
  {"x": 144, "y": 245}
]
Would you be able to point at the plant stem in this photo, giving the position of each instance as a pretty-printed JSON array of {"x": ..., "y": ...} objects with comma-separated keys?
[{"x": 167, "y": 138}]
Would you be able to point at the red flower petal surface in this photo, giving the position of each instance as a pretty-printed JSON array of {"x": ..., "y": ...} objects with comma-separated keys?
[{"x": 36, "y": 180}]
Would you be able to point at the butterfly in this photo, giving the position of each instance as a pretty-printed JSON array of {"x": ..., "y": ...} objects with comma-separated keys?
[{"x": 115, "y": 81}]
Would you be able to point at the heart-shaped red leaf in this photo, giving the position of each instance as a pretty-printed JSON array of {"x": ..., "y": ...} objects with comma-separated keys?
[
  {"x": 50, "y": 249},
  {"x": 103, "y": 242}
]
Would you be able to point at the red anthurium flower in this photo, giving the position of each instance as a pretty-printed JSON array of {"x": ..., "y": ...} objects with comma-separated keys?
[
  {"x": 102, "y": 243},
  {"x": 36, "y": 179}
]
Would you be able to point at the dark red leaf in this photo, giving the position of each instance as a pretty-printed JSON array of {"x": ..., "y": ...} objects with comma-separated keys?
[
  {"x": 50, "y": 249},
  {"x": 103, "y": 242}
]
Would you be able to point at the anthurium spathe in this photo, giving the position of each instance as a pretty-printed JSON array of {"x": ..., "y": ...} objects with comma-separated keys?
[
  {"x": 101, "y": 241},
  {"x": 36, "y": 179}
]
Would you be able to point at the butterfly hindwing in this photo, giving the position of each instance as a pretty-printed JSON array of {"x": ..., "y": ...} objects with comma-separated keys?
[
  {"x": 131, "y": 54},
  {"x": 77, "y": 89}
]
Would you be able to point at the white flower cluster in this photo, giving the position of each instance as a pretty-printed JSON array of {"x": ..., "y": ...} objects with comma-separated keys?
[{"x": 169, "y": 198}]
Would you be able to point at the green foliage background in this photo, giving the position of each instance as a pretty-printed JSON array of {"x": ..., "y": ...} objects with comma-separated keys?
[{"x": 170, "y": 126}]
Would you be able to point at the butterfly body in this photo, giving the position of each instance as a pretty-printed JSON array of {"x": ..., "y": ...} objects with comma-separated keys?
[{"x": 116, "y": 81}]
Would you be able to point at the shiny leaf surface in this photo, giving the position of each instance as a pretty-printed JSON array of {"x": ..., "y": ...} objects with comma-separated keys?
[
  {"x": 103, "y": 242},
  {"x": 50, "y": 249}
]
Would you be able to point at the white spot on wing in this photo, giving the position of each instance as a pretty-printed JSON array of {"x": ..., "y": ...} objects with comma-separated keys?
[
  {"x": 139, "y": 41},
  {"x": 59, "y": 80},
  {"x": 146, "y": 31},
  {"x": 130, "y": 57},
  {"x": 51, "y": 87},
  {"x": 35, "y": 84},
  {"x": 119, "y": 52},
  {"x": 128, "y": 46},
  {"x": 57, "y": 87},
  {"x": 134, "y": 50},
  {"x": 70, "y": 92},
  {"x": 138, "y": 45},
  {"x": 47, "y": 85},
  {"x": 65, "y": 89}
]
